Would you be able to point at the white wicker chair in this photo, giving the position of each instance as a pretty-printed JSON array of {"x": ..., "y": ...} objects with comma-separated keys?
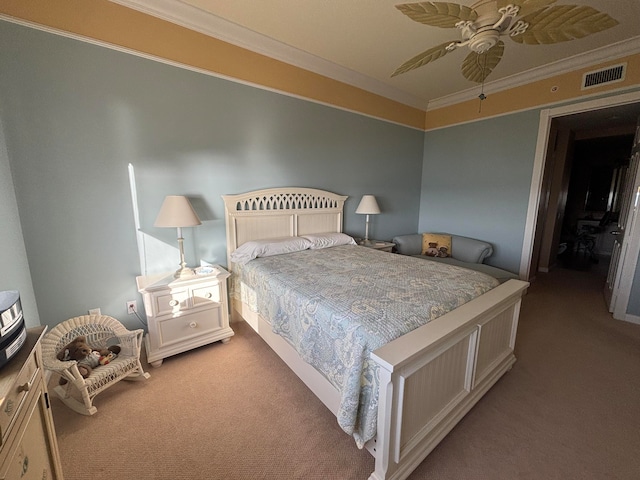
[{"x": 101, "y": 331}]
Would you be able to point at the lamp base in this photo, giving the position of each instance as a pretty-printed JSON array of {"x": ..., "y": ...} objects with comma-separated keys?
[{"x": 184, "y": 272}]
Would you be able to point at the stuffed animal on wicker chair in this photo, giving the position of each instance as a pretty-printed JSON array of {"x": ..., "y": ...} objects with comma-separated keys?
[{"x": 87, "y": 357}]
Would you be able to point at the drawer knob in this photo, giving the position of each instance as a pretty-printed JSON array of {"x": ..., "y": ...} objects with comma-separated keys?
[
  {"x": 174, "y": 303},
  {"x": 25, "y": 388},
  {"x": 208, "y": 295},
  {"x": 193, "y": 324}
]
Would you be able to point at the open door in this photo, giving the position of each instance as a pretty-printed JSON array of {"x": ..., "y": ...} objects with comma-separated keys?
[{"x": 627, "y": 218}]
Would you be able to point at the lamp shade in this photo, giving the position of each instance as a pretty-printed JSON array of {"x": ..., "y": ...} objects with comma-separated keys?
[
  {"x": 176, "y": 211},
  {"x": 368, "y": 205}
]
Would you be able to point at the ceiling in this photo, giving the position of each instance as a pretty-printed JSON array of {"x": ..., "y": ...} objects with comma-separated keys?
[
  {"x": 605, "y": 122},
  {"x": 362, "y": 42}
]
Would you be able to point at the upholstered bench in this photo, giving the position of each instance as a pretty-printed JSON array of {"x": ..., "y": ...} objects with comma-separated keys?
[{"x": 465, "y": 252}]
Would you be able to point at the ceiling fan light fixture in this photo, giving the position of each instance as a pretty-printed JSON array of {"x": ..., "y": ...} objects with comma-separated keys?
[
  {"x": 518, "y": 28},
  {"x": 508, "y": 14},
  {"x": 483, "y": 41},
  {"x": 482, "y": 25}
]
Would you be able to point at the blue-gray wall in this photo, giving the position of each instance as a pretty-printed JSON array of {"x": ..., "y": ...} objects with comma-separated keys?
[
  {"x": 476, "y": 179},
  {"x": 13, "y": 256},
  {"x": 74, "y": 117}
]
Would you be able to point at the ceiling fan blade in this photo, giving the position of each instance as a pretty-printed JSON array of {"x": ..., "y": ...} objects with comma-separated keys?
[
  {"x": 563, "y": 23},
  {"x": 476, "y": 67},
  {"x": 437, "y": 14},
  {"x": 526, "y": 6},
  {"x": 423, "y": 58}
]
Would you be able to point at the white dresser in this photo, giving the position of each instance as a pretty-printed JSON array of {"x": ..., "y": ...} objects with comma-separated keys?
[
  {"x": 28, "y": 446},
  {"x": 184, "y": 313}
]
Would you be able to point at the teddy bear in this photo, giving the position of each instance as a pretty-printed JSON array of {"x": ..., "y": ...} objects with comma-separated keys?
[
  {"x": 87, "y": 357},
  {"x": 443, "y": 252},
  {"x": 432, "y": 251}
]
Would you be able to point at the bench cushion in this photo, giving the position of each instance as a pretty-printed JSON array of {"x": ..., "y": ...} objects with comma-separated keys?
[{"x": 465, "y": 252}]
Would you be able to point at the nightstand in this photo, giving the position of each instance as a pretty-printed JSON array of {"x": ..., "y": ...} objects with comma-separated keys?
[
  {"x": 184, "y": 313},
  {"x": 379, "y": 245}
]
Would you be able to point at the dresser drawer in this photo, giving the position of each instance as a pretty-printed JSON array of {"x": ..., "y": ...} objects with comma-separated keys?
[
  {"x": 28, "y": 457},
  {"x": 170, "y": 302},
  {"x": 16, "y": 395},
  {"x": 179, "y": 329},
  {"x": 205, "y": 295}
]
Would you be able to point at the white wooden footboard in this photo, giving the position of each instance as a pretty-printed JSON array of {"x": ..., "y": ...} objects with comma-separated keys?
[{"x": 431, "y": 377}]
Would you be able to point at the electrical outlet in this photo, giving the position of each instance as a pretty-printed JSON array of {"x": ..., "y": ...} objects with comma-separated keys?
[
  {"x": 94, "y": 311},
  {"x": 132, "y": 307}
]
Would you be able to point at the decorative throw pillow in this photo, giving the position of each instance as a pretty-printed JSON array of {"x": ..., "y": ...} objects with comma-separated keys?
[{"x": 436, "y": 245}]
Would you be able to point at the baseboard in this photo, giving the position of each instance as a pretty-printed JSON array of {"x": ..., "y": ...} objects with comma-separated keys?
[{"x": 631, "y": 319}]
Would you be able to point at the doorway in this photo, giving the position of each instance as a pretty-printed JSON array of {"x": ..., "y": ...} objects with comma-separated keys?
[
  {"x": 559, "y": 129},
  {"x": 598, "y": 164}
]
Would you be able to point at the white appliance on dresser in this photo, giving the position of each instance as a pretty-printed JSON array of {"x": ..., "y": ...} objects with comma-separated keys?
[{"x": 184, "y": 313}]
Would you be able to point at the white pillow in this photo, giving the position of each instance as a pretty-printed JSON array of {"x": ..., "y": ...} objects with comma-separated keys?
[
  {"x": 332, "y": 239},
  {"x": 266, "y": 248}
]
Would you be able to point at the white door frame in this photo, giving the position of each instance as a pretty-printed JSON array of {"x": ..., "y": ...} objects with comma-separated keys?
[
  {"x": 546, "y": 116},
  {"x": 629, "y": 247}
]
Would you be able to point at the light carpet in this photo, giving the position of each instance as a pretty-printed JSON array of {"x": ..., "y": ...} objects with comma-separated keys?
[{"x": 569, "y": 409}]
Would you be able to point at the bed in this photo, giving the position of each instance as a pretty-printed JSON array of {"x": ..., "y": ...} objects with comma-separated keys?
[{"x": 427, "y": 378}]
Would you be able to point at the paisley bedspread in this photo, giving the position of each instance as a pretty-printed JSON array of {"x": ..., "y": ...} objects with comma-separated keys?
[{"x": 337, "y": 305}]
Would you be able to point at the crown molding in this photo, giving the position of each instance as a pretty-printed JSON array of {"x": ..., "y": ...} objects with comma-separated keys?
[
  {"x": 582, "y": 60},
  {"x": 193, "y": 18},
  {"x": 188, "y": 16}
]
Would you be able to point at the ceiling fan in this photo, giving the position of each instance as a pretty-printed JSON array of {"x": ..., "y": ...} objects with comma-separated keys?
[{"x": 531, "y": 22}]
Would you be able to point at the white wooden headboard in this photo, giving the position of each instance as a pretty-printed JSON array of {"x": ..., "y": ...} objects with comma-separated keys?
[{"x": 280, "y": 212}]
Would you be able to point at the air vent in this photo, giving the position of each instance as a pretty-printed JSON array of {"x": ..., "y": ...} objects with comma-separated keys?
[{"x": 604, "y": 76}]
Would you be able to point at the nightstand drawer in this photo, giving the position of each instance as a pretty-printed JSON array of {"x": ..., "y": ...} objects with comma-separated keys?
[
  {"x": 16, "y": 395},
  {"x": 206, "y": 294},
  {"x": 165, "y": 303},
  {"x": 177, "y": 329}
]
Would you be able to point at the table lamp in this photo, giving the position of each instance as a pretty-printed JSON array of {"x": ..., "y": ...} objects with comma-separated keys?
[
  {"x": 368, "y": 206},
  {"x": 177, "y": 212}
]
